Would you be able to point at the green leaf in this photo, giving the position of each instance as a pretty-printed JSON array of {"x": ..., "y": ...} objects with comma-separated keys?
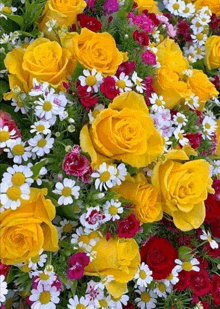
[
  {"x": 36, "y": 168},
  {"x": 78, "y": 71},
  {"x": 185, "y": 253},
  {"x": 3, "y": 169},
  {"x": 16, "y": 18},
  {"x": 67, "y": 212},
  {"x": 73, "y": 287},
  {"x": 11, "y": 275},
  {"x": 3, "y": 87}
]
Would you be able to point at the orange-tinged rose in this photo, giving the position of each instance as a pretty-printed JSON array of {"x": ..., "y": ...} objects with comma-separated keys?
[
  {"x": 28, "y": 229},
  {"x": 146, "y": 200},
  {"x": 94, "y": 50},
  {"x": 117, "y": 257},
  {"x": 149, "y": 5},
  {"x": 212, "y": 52},
  {"x": 124, "y": 131},
  {"x": 169, "y": 84},
  {"x": 64, "y": 12},
  {"x": 44, "y": 60},
  {"x": 183, "y": 187},
  {"x": 201, "y": 87},
  {"x": 214, "y": 5}
]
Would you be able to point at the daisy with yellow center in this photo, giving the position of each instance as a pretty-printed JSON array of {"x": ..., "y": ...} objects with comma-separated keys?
[
  {"x": 91, "y": 79},
  {"x": 105, "y": 176},
  {"x": 138, "y": 82},
  {"x": 123, "y": 83},
  {"x": 5, "y": 136},
  {"x": 163, "y": 288},
  {"x": 187, "y": 265},
  {"x": 208, "y": 237},
  {"x": 67, "y": 190},
  {"x": 37, "y": 260},
  {"x": 41, "y": 144},
  {"x": 157, "y": 102},
  {"x": 80, "y": 303},
  {"x": 147, "y": 298},
  {"x": 41, "y": 127},
  {"x": 6, "y": 10},
  {"x": 18, "y": 151},
  {"x": 84, "y": 240},
  {"x": 143, "y": 275},
  {"x": 179, "y": 135},
  {"x": 113, "y": 209},
  {"x": 192, "y": 102},
  {"x": 66, "y": 227},
  {"x": 93, "y": 114},
  {"x": 180, "y": 120},
  {"x": 45, "y": 297},
  {"x": 104, "y": 302},
  {"x": 176, "y": 7},
  {"x": 209, "y": 125},
  {"x": 47, "y": 107}
]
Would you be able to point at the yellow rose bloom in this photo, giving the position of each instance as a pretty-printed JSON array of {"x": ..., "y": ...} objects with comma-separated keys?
[
  {"x": 170, "y": 55},
  {"x": 212, "y": 52},
  {"x": 94, "y": 50},
  {"x": 44, "y": 60},
  {"x": 147, "y": 205},
  {"x": 201, "y": 87},
  {"x": 183, "y": 187},
  {"x": 171, "y": 87},
  {"x": 64, "y": 12},
  {"x": 117, "y": 257},
  {"x": 124, "y": 131},
  {"x": 149, "y": 5},
  {"x": 28, "y": 229},
  {"x": 214, "y": 5},
  {"x": 218, "y": 137}
]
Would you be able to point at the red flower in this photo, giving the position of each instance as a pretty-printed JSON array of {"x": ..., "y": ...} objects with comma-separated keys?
[
  {"x": 183, "y": 282},
  {"x": 129, "y": 306},
  {"x": 194, "y": 139},
  {"x": 216, "y": 289},
  {"x": 141, "y": 37},
  {"x": 86, "y": 98},
  {"x": 5, "y": 120},
  {"x": 108, "y": 88},
  {"x": 89, "y": 22},
  {"x": 212, "y": 252},
  {"x": 127, "y": 67},
  {"x": 212, "y": 208},
  {"x": 152, "y": 16},
  {"x": 128, "y": 227},
  {"x": 4, "y": 269},
  {"x": 216, "y": 82},
  {"x": 183, "y": 31},
  {"x": 205, "y": 305},
  {"x": 199, "y": 282},
  {"x": 77, "y": 263},
  {"x": 216, "y": 187},
  {"x": 149, "y": 88},
  {"x": 215, "y": 22},
  {"x": 159, "y": 254},
  {"x": 215, "y": 228}
]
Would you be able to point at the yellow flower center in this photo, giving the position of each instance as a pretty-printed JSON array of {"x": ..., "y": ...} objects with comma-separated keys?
[
  {"x": 18, "y": 179},
  {"x": 68, "y": 228},
  {"x": 18, "y": 150},
  {"x": 161, "y": 287},
  {"x": 44, "y": 276},
  {"x": 66, "y": 191},
  {"x": 95, "y": 113},
  {"x": 176, "y": 6},
  {"x": 90, "y": 80},
  {"x": 198, "y": 24},
  {"x": 25, "y": 269},
  {"x": 105, "y": 176},
  {"x": 209, "y": 238},
  {"x": 142, "y": 274},
  {"x": 103, "y": 303},
  {"x": 84, "y": 238},
  {"x": 7, "y": 10},
  {"x": 20, "y": 104},
  {"x": 47, "y": 106},
  {"x": 180, "y": 136},
  {"x": 121, "y": 84},
  {"x": 45, "y": 297},
  {"x": 199, "y": 36},
  {"x": 113, "y": 210},
  {"x": 4, "y": 136},
  {"x": 187, "y": 266},
  {"x": 41, "y": 143},
  {"x": 145, "y": 297},
  {"x": 180, "y": 120},
  {"x": 13, "y": 193},
  {"x": 158, "y": 102},
  {"x": 207, "y": 126},
  {"x": 186, "y": 10},
  {"x": 80, "y": 306},
  {"x": 40, "y": 127},
  {"x": 170, "y": 277},
  {"x": 138, "y": 82},
  {"x": 35, "y": 259}
]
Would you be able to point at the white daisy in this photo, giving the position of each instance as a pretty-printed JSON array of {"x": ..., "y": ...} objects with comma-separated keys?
[
  {"x": 143, "y": 275},
  {"x": 8, "y": 10},
  {"x": 180, "y": 119},
  {"x": 163, "y": 288},
  {"x": 19, "y": 106},
  {"x": 45, "y": 297},
  {"x": 91, "y": 79},
  {"x": 67, "y": 189},
  {"x": 189, "y": 10},
  {"x": 41, "y": 145},
  {"x": 209, "y": 124},
  {"x": 199, "y": 38},
  {"x": 41, "y": 127},
  {"x": 157, "y": 102},
  {"x": 120, "y": 302},
  {"x": 121, "y": 173},
  {"x": 18, "y": 151},
  {"x": 11, "y": 195},
  {"x": 81, "y": 239},
  {"x": 18, "y": 175},
  {"x": 104, "y": 302},
  {"x": 113, "y": 209},
  {"x": 5, "y": 136},
  {"x": 187, "y": 266},
  {"x": 215, "y": 167},
  {"x": 179, "y": 135},
  {"x": 105, "y": 176},
  {"x": 138, "y": 82},
  {"x": 196, "y": 25},
  {"x": 176, "y": 7},
  {"x": 123, "y": 83},
  {"x": 208, "y": 237},
  {"x": 37, "y": 260},
  {"x": 93, "y": 114},
  {"x": 147, "y": 299},
  {"x": 3, "y": 288},
  {"x": 173, "y": 277},
  {"x": 44, "y": 278},
  {"x": 66, "y": 226},
  {"x": 192, "y": 102},
  {"x": 38, "y": 88},
  {"x": 47, "y": 108},
  {"x": 82, "y": 303}
]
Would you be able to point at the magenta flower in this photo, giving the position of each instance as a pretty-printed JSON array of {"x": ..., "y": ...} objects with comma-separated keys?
[
  {"x": 149, "y": 58},
  {"x": 77, "y": 263}
]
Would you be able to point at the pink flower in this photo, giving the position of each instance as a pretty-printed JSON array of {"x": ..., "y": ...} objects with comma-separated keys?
[
  {"x": 110, "y": 6},
  {"x": 142, "y": 21},
  {"x": 5, "y": 120},
  {"x": 127, "y": 67},
  {"x": 149, "y": 58},
  {"x": 77, "y": 263},
  {"x": 57, "y": 283},
  {"x": 77, "y": 165},
  {"x": 108, "y": 88},
  {"x": 128, "y": 227}
]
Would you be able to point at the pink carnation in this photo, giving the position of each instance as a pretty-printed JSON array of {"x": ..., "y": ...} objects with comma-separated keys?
[
  {"x": 142, "y": 21},
  {"x": 149, "y": 58},
  {"x": 77, "y": 263}
]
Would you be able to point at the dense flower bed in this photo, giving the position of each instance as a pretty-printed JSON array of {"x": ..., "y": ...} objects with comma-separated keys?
[{"x": 110, "y": 154}]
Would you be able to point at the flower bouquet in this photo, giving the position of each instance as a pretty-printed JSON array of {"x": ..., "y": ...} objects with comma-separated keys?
[{"x": 110, "y": 154}]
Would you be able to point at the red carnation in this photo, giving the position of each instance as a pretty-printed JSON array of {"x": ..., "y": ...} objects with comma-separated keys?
[
  {"x": 194, "y": 139},
  {"x": 159, "y": 254},
  {"x": 183, "y": 282},
  {"x": 108, "y": 88},
  {"x": 77, "y": 263},
  {"x": 205, "y": 305},
  {"x": 89, "y": 22},
  {"x": 86, "y": 98},
  {"x": 199, "y": 282},
  {"x": 215, "y": 290},
  {"x": 216, "y": 82},
  {"x": 128, "y": 227},
  {"x": 215, "y": 228},
  {"x": 152, "y": 16},
  {"x": 129, "y": 306},
  {"x": 141, "y": 37},
  {"x": 216, "y": 187},
  {"x": 212, "y": 252},
  {"x": 4, "y": 269},
  {"x": 212, "y": 208},
  {"x": 215, "y": 22},
  {"x": 127, "y": 67}
]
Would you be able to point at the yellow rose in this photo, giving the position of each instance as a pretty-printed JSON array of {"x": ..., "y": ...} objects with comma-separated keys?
[
  {"x": 170, "y": 55},
  {"x": 149, "y": 5},
  {"x": 64, "y": 12},
  {"x": 124, "y": 131},
  {"x": 212, "y": 52},
  {"x": 117, "y": 257},
  {"x": 147, "y": 205},
  {"x": 218, "y": 137},
  {"x": 28, "y": 229},
  {"x": 44, "y": 60},
  {"x": 201, "y": 87},
  {"x": 171, "y": 87},
  {"x": 94, "y": 50},
  {"x": 184, "y": 188},
  {"x": 214, "y": 5}
]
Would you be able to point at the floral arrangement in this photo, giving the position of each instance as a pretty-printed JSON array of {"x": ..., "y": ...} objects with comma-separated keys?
[{"x": 110, "y": 154}]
